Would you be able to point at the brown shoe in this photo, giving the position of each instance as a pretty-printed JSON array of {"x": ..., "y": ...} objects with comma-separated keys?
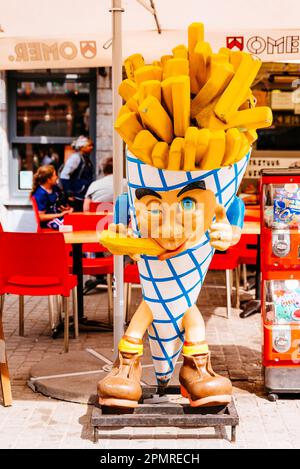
[
  {"x": 201, "y": 384},
  {"x": 121, "y": 387}
]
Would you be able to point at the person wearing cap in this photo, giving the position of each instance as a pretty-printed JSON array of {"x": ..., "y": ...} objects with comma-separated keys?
[{"x": 78, "y": 172}]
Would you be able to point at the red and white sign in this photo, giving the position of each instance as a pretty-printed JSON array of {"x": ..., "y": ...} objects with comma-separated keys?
[{"x": 34, "y": 53}]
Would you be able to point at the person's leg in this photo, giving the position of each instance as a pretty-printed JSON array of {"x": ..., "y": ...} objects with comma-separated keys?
[
  {"x": 121, "y": 387},
  {"x": 198, "y": 381}
]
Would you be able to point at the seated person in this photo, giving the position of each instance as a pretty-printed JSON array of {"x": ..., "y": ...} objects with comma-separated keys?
[
  {"x": 50, "y": 200},
  {"x": 102, "y": 190}
]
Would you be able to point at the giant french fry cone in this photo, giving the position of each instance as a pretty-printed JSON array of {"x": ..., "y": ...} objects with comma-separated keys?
[{"x": 188, "y": 143}]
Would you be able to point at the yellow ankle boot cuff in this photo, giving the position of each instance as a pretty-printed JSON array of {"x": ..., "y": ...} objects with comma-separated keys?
[
  {"x": 194, "y": 349},
  {"x": 129, "y": 347}
]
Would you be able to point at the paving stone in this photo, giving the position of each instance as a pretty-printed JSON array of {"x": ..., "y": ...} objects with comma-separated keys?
[{"x": 39, "y": 422}]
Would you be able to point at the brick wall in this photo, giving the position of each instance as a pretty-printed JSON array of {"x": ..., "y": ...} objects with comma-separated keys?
[{"x": 104, "y": 116}]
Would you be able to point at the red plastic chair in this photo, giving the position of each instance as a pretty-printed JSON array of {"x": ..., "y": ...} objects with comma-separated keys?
[
  {"x": 248, "y": 244},
  {"x": 37, "y": 217},
  {"x": 94, "y": 206},
  {"x": 36, "y": 264},
  {"x": 228, "y": 261},
  {"x": 131, "y": 276},
  {"x": 94, "y": 265},
  {"x": 4, "y": 371}
]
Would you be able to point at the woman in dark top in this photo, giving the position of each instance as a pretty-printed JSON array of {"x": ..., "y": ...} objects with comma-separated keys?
[{"x": 49, "y": 198}]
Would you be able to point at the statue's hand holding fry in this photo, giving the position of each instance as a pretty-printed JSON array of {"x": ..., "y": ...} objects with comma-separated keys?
[
  {"x": 220, "y": 232},
  {"x": 124, "y": 232}
]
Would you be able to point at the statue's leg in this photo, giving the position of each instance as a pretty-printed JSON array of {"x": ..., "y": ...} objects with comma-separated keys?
[
  {"x": 198, "y": 381},
  {"x": 121, "y": 387}
]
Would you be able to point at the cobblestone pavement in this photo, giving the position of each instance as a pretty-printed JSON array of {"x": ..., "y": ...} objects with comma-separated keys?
[{"x": 35, "y": 421}]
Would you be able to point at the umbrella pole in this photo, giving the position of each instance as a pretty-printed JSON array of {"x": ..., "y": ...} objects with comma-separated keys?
[{"x": 117, "y": 164}]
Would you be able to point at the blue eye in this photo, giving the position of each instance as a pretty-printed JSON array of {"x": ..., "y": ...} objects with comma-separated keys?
[
  {"x": 188, "y": 204},
  {"x": 155, "y": 211}
]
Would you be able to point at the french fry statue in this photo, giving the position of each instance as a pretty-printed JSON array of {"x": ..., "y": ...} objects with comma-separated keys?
[{"x": 188, "y": 121}]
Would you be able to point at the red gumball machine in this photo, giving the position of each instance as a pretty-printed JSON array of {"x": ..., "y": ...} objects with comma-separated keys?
[{"x": 280, "y": 268}]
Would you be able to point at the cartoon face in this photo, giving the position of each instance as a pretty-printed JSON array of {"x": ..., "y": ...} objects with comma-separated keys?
[{"x": 175, "y": 219}]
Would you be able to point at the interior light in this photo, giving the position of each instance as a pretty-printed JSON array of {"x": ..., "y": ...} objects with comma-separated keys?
[
  {"x": 291, "y": 284},
  {"x": 291, "y": 188}
]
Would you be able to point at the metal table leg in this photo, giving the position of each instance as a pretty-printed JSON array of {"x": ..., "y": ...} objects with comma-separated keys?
[
  {"x": 84, "y": 323},
  {"x": 77, "y": 270}
]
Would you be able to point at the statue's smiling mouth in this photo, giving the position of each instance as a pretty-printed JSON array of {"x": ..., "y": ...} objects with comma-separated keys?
[{"x": 172, "y": 252}]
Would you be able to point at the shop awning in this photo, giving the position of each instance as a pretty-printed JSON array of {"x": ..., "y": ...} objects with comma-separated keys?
[{"x": 72, "y": 33}]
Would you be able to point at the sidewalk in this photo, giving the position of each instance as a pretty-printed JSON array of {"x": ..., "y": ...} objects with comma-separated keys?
[{"x": 35, "y": 421}]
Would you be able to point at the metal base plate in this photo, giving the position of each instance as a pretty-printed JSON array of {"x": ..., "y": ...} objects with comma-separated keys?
[
  {"x": 282, "y": 379},
  {"x": 165, "y": 408}
]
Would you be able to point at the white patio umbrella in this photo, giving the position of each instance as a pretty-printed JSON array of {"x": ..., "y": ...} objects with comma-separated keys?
[{"x": 72, "y": 33}]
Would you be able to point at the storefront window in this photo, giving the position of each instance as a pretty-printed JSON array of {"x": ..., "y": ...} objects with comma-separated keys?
[
  {"x": 31, "y": 156},
  {"x": 52, "y": 108},
  {"x": 47, "y": 111}
]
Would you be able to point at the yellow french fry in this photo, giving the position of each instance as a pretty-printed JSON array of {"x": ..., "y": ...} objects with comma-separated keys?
[
  {"x": 156, "y": 119},
  {"x": 216, "y": 149},
  {"x": 127, "y": 89},
  {"x": 249, "y": 119},
  {"x": 176, "y": 154},
  {"x": 180, "y": 52},
  {"x": 133, "y": 102},
  {"x": 123, "y": 110},
  {"x": 221, "y": 74},
  {"x": 160, "y": 155},
  {"x": 132, "y": 63},
  {"x": 206, "y": 118},
  {"x": 128, "y": 126},
  {"x": 251, "y": 136},
  {"x": 236, "y": 57},
  {"x": 166, "y": 89},
  {"x": 202, "y": 144},
  {"x": 164, "y": 59},
  {"x": 245, "y": 147},
  {"x": 201, "y": 57},
  {"x": 181, "y": 104},
  {"x": 149, "y": 88},
  {"x": 120, "y": 244},
  {"x": 175, "y": 67},
  {"x": 148, "y": 72},
  {"x": 157, "y": 63},
  {"x": 225, "y": 50},
  {"x": 195, "y": 34},
  {"x": 233, "y": 96},
  {"x": 233, "y": 146},
  {"x": 190, "y": 148},
  {"x": 143, "y": 146}
]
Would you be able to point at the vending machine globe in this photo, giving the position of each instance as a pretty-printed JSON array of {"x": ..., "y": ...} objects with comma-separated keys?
[{"x": 280, "y": 266}]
